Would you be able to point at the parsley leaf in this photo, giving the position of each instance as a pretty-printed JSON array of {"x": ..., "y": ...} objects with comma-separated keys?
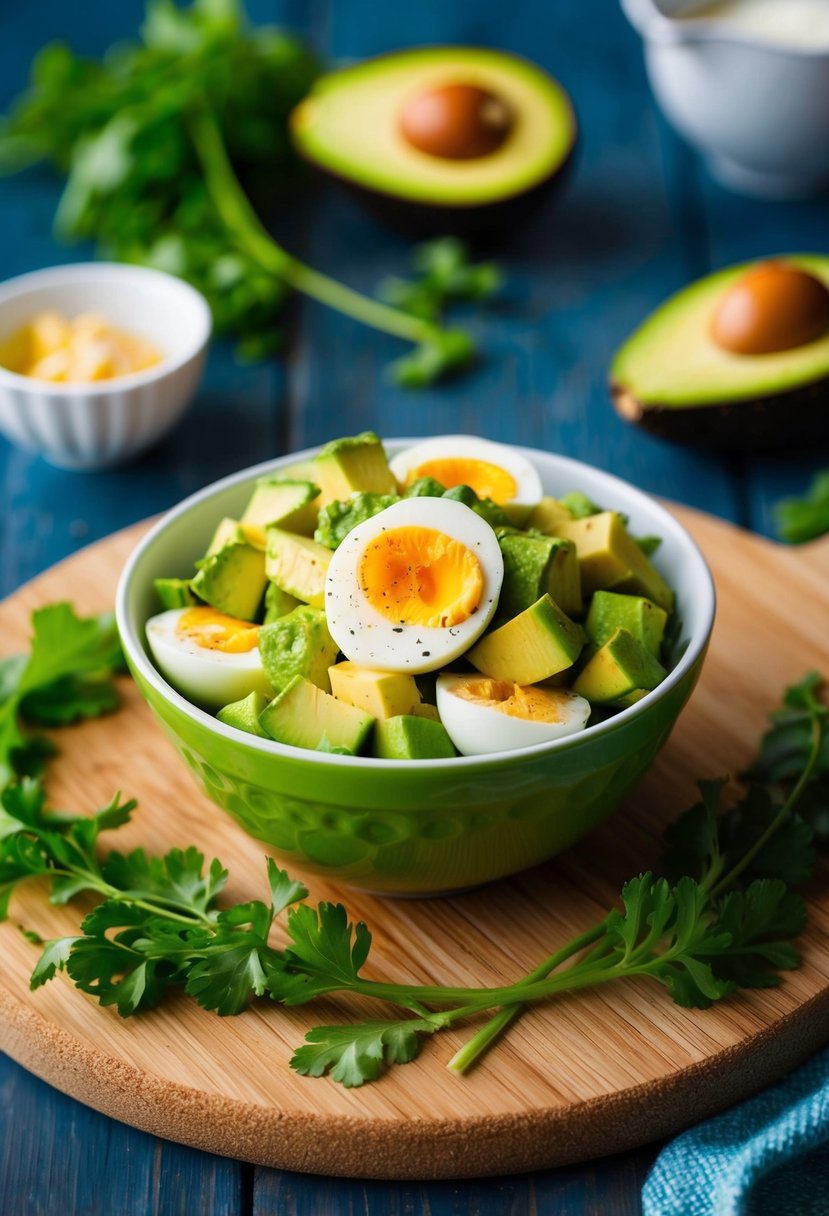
[
  {"x": 802, "y": 519},
  {"x": 325, "y": 948},
  {"x": 67, "y": 676},
  {"x": 446, "y": 276},
  {"x": 354, "y": 1055}
]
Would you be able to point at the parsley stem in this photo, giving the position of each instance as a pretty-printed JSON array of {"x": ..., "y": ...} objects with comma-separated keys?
[
  {"x": 477, "y": 1000},
  {"x": 238, "y": 215},
  {"x": 160, "y": 907},
  {"x": 785, "y": 811},
  {"x": 479, "y": 1044}
]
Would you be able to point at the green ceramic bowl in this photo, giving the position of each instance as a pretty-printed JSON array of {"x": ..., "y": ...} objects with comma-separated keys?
[{"x": 427, "y": 826}]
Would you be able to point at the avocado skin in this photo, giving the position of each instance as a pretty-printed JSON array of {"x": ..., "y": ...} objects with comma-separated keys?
[
  {"x": 485, "y": 224},
  {"x": 792, "y": 420}
]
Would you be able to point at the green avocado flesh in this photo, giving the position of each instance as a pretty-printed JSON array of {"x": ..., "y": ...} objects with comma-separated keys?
[
  {"x": 618, "y": 668},
  {"x": 642, "y": 619},
  {"x": 298, "y": 644},
  {"x": 244, "y": 714},
  {"x": 232, "y": 580},
  {"x": 175, "y": 593},
  {"x": 671, "y": 361},
  {"x": 305, "y": 716},
  {"x": 411, "y": 738},
  {"x": 350, "y": 126}
]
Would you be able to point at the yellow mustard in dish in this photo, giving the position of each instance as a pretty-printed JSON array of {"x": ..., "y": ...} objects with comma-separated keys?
[{"x": 84, "y": 349}]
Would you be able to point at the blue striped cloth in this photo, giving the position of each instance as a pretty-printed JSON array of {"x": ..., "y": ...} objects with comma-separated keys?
[{"x": 768, "y": 1156}]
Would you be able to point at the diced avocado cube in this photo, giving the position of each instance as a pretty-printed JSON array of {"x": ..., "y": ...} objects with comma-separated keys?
[
  {"x": 535, "y": 565},
  {"x": 538, "y": 643},
  {"x": 175, "y": 593},
  {"x": 610, "y": 559},
  {"x": 425, "y": 710},
  {"x": 610, "y": 611},
  {"x": 302, "y": 470},
  {"x": 244, "y": 714},
  {"x": 228, "y": 532},
  {"x": 564, "y": 577},
  {"x": 298, "y": 644},
  {"x": 411, "y": 738},
  {"x": 620, "y": 667},
  {"x": 305, "y": 716},
  {"x": 383, "y": 694},
  {"x": 347, "y": 466},
  {"x": 549, "y": 513},
  {"x": 286, "y": 504},
  {"x": 233, "y": 581},
  {"x": 277, "y": 603},
  {"x": 631, "y": 698},
  {"x": 338, "y": 518},
  {"x": 298, "y": 565}
]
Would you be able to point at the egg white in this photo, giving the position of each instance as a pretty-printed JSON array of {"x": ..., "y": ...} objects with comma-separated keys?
[
  {"x": 528, "y": 492},
  {"x": 367, "y": 637},
  {"x": 211, "y": 678},
  {"x": 477, "y": 728}
]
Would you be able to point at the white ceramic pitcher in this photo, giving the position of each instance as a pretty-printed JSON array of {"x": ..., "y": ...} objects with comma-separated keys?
[{"x": 757, "y": 109}]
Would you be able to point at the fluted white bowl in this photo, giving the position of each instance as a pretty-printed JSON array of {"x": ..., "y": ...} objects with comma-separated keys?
[{"x": 106, "y": 422}]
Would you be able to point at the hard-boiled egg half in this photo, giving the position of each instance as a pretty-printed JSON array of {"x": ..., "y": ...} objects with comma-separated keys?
[
  {"x": 492, "y": 470},
  {"x": 483, "y": 715},
  {"x": 414, "y": 586},
  {"x": 209, "y": 657}
]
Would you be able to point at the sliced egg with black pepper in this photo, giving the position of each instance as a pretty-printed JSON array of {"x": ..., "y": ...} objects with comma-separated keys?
[
  {"x": 483, "y": 715},
  {"x": 492, "y": 470},
  {"x": 209, "y": 657},
  {"x": 413, "y": 587}
]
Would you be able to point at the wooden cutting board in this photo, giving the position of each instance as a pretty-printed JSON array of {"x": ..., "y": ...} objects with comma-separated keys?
[{"x": 591, "y": 1074}]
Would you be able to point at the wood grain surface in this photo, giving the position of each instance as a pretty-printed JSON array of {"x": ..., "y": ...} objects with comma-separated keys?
[{"x": 588, "y": 1075}]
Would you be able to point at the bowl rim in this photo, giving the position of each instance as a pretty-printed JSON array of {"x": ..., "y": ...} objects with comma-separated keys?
[
  {"x": 655, "y": 26},
  {"x": 90, "y": 271},
  {"x": 139, "y": 657}
]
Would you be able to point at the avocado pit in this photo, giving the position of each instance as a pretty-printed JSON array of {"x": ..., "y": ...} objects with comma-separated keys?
[
  {"x": 456, "y": 121},
  {"x": 773, "y": 307}
]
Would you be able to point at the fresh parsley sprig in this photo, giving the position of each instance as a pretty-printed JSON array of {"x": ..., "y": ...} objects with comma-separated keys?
[
  {"x": 66, "y": 676},
  {"x": 723, "y": 915},
  {"x": 806, "y": 518},
  {"x": 167, "y": 143}
]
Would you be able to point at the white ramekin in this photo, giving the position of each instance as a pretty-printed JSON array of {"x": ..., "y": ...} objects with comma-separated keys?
[
  {"x": 757, "y": 109},
  {"x": 91, "y": 426}
]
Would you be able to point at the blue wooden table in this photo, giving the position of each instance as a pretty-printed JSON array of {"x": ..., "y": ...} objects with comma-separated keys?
[{"x": 638, "y": 219}]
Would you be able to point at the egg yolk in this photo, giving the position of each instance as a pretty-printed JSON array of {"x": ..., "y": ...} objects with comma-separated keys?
[
  {"x": 417, "y": 576},
  {"x": 534, "y": 704},
  {"x": 213, "y": 630},
  {"x": 487, "y": 480},
  {"x": 82, "y": 350}
]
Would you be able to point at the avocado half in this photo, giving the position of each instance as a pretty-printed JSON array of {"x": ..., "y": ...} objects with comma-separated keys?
[
  {"x": 671, "y": 379},
  {"x": 349, "y": 127}
]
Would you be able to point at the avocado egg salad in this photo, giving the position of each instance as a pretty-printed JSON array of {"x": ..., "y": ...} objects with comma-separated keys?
[{"x": 436, "y": 604}]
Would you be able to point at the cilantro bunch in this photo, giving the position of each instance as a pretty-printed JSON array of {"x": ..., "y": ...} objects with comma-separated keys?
[
  {"x": 722, "y": 915},
  {"x": 172, "y": 148}
]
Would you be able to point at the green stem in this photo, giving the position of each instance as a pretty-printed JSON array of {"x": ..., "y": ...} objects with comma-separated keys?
[
  {"x": 782, "y": 815},
  {"x": 163, "y": 907},
  {"x": 479, "y": 1044},
  {"x": 237, "y": 213},
  {"x": 477, "y": 1000}
]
